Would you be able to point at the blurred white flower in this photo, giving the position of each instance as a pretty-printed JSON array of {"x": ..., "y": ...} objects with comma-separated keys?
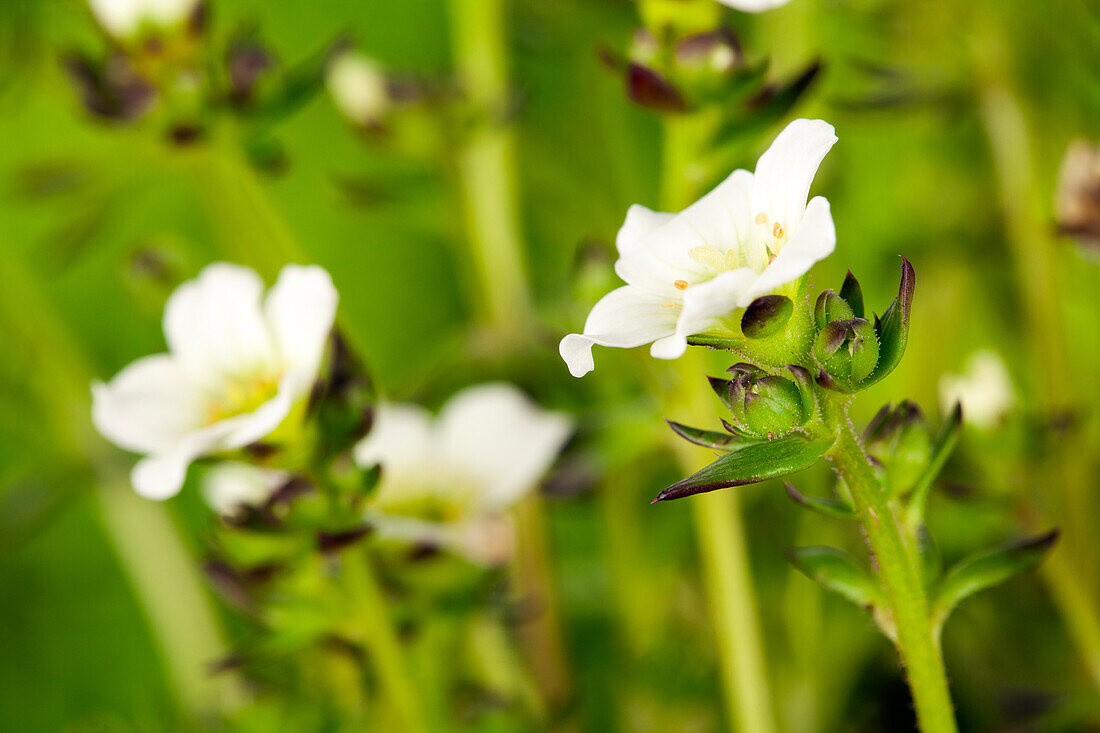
[
  {"x": 237, "y": 363},
  {"x": 125, "y": 18},
  {"x": 229, "y": 487},
  {"x": 448, "y": 480},
  {"x": 1077, "y": 205},
  {"x": 985, "y": 390},
  {"x": 687, "y": 272},
  {"x": 753, "y": 6},
  {"x": 358, "y": 87}
]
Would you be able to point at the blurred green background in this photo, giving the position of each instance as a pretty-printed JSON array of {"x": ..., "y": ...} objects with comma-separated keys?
[{"x": 952, "y": 119}]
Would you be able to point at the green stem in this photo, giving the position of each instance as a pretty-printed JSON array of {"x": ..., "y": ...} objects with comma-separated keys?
[
  {"x": 896, "y": 564},
  {"x": 724, "y": 556},
  {"x": 487, "y": 165},
  {"x": 717, "y": 517},
  {"x": 375, "y": 629}
]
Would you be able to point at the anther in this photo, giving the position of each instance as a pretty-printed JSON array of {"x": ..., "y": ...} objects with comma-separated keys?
[
  {"x": 761, "y": 218},
  {"x": 681, "y": 284},
  {"x": 777, "y": 230}
]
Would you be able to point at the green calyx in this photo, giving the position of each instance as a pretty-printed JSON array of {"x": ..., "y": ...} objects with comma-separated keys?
[
  {"x": 847, "y": 350},
  {"x": 763, "y": 405}
]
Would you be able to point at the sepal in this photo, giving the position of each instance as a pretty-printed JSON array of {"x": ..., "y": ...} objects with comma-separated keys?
[
  {"x": 766, "y": 316},
  {"x": 892, "y": 328},
  {"x": 834, "y": 508}
]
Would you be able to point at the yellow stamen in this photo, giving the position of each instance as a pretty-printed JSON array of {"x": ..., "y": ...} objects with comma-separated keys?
[
  {"x": 777, "y": 230},
  {"x": 761, "y": 218},
  {"x": 681, "y": 284}
]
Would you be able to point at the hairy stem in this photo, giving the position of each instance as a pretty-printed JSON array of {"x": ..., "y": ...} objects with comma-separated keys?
[{"x": 896, "y": 564}]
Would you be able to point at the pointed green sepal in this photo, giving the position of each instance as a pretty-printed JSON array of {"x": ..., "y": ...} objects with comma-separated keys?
[
  {"x": 987, "y": 569},
  {"x": 828, "y": 507},
  {"x": 708, "y": 438},
  {"x": 766, "y": 316},
  {"x": 892, "y": 328},
  {"x": 838, "y": 572},
  {"x": 753, "y": 463},
  {"x": 852, "y": 294},
  {"x": 942, "y": 447}
]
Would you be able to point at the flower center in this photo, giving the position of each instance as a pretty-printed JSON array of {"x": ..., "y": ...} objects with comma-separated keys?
[
  {"x": 241, "y": 396},
  {"x": 717, "y": 259},
  {"x": 772, "y": 233}
]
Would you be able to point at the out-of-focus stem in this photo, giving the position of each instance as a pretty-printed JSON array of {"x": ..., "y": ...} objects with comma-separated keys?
[
  {"x": 178, "y": 609},
  {"x": 487, "y": 165},
  {"x": 489, "y": 194},
  {"x": 717, "y": 516},
  {"x": 375, "y": 630},
  {"x": 1068, "y": 569},
  {"x": 896, "y": 565}
]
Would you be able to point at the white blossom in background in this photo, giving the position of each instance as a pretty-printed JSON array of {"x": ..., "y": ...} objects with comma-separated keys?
[
  {"x": 231, "y": 486},
  {"x": 1077, "y": 203},
  {"x": 985, "y": 390},
  {"x": 125, "y": 18},
  {"x": 358, "y": 87},
  {"x": 753, "y": 6},
  {"x": 448, "y": 480},
  {"x": 685, "y": 273},
  {"x": 237, "y": 364}
]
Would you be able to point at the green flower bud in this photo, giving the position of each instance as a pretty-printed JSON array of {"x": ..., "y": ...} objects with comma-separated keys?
[
  {"x": 762, "y": 404},
  {"x": 847, "y": 350},
  {"x": 899, "y": 440},
  {"x": 831, "y": 307}
]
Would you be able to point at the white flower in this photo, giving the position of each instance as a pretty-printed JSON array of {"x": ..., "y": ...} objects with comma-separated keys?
[
  {"x": 687, "y": 272},
  {"x": 228, "y": 487},
  {"x": 358, "y": 87},
  {"x": 124, "y": 18},
  {"x": 237, "y": 363},
  {"x": 985, "y": 391},
  {"x": 448, "y": 480},
  {"x": 753, "y": 6}
]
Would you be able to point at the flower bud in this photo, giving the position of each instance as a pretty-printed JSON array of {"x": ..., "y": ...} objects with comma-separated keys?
[
  {"x": 831, "y": 307},
  {"x": 848, "y": 350},
  {"x": 899, "y": 440},
  {"x": 764, "y": 405},
  {"x": 1078, "y": 200},
  {"x": 359, "y": 88}
]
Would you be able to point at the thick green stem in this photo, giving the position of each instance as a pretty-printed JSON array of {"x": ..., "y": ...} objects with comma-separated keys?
[
  {"x": 896, "y": 564},
  {"x": 374, "y": 628},
  {"x": 487, "y": 165}
]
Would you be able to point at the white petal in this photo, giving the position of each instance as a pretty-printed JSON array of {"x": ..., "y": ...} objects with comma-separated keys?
[
  {"x": 706, "y": 303},
  {"x": 401, "y": 439},
  {"x": 161, "y": 474},
  {"x": 503, "y": 440},
  {"x": 786, "y": 170},
  {"x": 215, "y": 327},
  {"x": 300, "y": 309},
  {"x": 753, "y": 6},
  {"x": 814, "y": 241},
  {"x": 626, "y": 317},
  {"x": 661, "y": 256},
  {"x": 229, "y": 486},
  {"x": 640, "y": 223},
  {"x": 120, "y": 18},
  {"x": 149, "y": 406},
  {"x": 985, "y": 391},
  {"x": 723, "y": 219}
]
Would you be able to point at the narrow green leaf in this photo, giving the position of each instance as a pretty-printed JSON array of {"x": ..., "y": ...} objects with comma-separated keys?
[
  {"x": 750, "y": 464},
  {"x": 987, "y": 569},
  {"x": 839, "y": 572},
  {"x": 708, "y": 438},
  {"x": 829, "y": 507}
]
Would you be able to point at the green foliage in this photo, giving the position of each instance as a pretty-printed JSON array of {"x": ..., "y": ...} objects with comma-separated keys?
[
  {"x": 838, "y": 572},
  {"x": 986, "y": 569}
]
